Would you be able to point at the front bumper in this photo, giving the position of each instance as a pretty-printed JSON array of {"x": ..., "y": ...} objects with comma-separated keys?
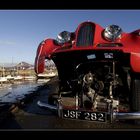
[
  {"x": 126, "y": 116},
  {"x": 112, "y": 115}
]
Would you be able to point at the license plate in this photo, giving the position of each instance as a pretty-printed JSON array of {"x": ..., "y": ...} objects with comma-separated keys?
[{"x": 84, "y": 115}]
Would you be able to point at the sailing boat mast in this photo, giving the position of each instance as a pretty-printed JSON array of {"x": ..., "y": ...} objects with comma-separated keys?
[{"x": 3, "y": 70}]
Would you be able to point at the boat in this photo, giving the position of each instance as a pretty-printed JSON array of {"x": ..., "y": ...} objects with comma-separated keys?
[
  {"x": 18, "y": 77},
  {"x": 3, "y": 79},
  {"x": 46, "y": 75},
  {"x": 9, "y": 77}
]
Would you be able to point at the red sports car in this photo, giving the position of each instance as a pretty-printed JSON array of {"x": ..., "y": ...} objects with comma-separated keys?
[{"x": 98, "y": 69}]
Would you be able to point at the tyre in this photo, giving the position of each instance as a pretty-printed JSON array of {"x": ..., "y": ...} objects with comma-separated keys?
[{"x": 135, "y": 95}]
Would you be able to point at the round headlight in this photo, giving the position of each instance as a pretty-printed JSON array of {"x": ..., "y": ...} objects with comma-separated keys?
[
  {"x": 112, "y": 32},
  {"x": 63, "y": 37}
]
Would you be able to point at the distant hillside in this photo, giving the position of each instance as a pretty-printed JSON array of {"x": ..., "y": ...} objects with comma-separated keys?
[
  {"x": 24, "y": 65},
  {"x": 21, "y": 65}
]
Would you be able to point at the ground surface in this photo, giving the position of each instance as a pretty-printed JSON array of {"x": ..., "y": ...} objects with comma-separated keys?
[{"x": 31, "y": 117}]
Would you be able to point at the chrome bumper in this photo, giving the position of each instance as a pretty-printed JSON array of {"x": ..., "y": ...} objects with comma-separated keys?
[
  {"x": 44, "y": 105},
  {"x": 127, "y": 116},
  {"x": 115, "y": 115}
]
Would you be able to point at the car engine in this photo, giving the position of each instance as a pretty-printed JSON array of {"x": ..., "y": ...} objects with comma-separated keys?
[{"x": 101, "y": 84}]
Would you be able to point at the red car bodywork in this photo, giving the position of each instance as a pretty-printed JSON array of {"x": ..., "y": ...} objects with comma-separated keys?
[{"x": 130, "y": 43}]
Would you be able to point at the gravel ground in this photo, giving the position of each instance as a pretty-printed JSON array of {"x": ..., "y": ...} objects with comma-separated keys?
[{"x": 30, "y": 117}]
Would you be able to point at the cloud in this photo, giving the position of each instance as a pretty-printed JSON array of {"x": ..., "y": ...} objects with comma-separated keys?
[{"x": 6, "y": 42}]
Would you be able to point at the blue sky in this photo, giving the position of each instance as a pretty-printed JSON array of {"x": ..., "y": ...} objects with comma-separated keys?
[{"x": 22, "y": 30}]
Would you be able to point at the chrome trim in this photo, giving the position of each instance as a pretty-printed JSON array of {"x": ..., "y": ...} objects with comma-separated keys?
[
  {"x": 112, "y": 32},
  {"x": 51, "y": 107},
  {"x": 126, "y": 116},
  {"x": 115, "y": 115}
]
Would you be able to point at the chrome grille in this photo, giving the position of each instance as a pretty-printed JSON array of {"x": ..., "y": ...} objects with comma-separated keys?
[{"x": 85, "y": 35}]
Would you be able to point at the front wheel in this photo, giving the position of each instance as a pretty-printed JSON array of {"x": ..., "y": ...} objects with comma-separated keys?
[{"x": 135, "y": 95}]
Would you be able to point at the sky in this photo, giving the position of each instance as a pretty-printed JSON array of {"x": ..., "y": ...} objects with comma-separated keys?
[{"x": 21, "y": 31}]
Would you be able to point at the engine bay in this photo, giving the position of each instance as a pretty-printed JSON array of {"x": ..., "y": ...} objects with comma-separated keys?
[{"x": 101, "y": 84}]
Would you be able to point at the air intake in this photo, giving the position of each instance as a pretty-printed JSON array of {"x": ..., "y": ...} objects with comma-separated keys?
[{"x": 85, "y": 35}]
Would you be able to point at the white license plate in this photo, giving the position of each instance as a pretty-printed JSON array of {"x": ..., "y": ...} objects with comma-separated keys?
[{"x": 84, "y": 115}]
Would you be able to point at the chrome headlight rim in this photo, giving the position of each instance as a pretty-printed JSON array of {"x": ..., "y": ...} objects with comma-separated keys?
[
  {"x": 112, "y": 32},
  {"x": 63, "y": 37}
]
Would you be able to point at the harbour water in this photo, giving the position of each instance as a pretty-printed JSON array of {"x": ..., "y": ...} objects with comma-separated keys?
[{"x": 12, "y": 93}]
